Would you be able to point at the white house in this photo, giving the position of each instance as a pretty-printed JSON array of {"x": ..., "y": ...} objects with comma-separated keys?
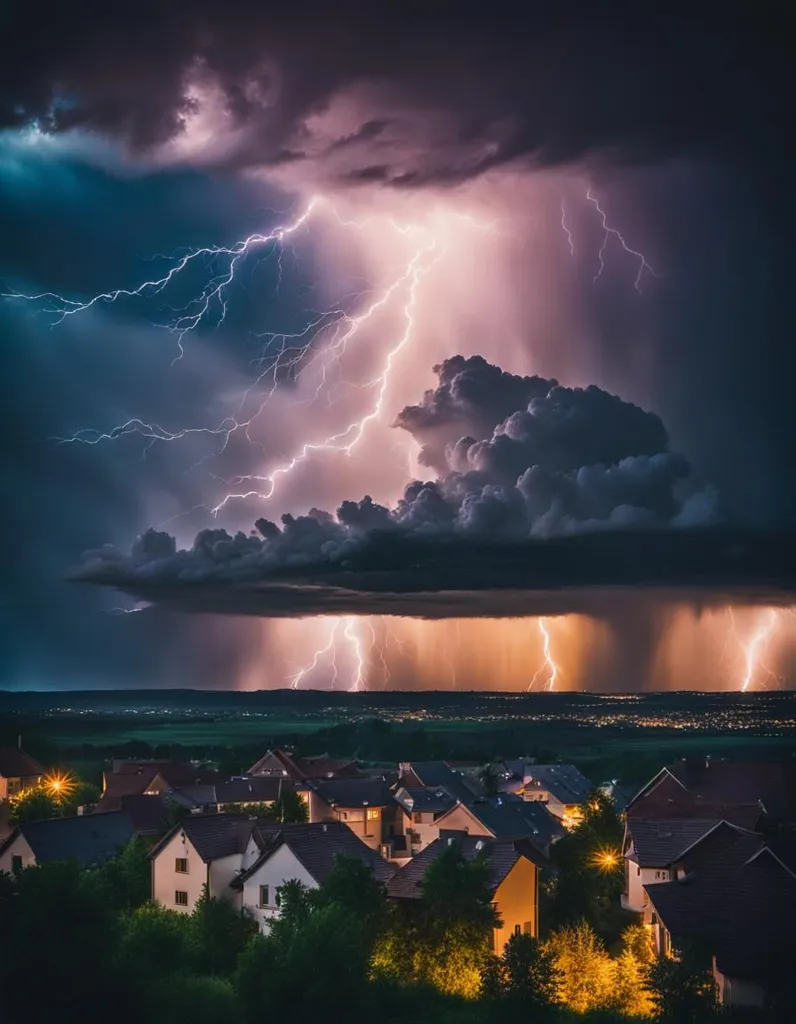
[
  {"x": 246, "y": 861},
  {"x": 89, "y": 839},
  {"x": 422, "y": 806},
  {"x": 651, "y": 849}
]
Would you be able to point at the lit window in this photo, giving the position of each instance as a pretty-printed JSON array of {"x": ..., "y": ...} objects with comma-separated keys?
[
  {"x": 181, "y": 865},
  {"x": 181, "y": 898},
  {"x": 263, "y": 895},
  {"x": 16, "y": 864},
  {"x": 374, "y": 813}
]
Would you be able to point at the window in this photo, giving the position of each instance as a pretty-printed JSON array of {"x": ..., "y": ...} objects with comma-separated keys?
[
  {"x": 263, "y": 895},
  {"x": 527, "y": 928},
  {"x": 661, "y": 876},
  {"x": 518, "y": 929},
  {"x": 181, "y": 865},
  {"x": 181, "y": 898},
  {"x": 374, "y": 813},
  {"x": 16, "y": 864}
]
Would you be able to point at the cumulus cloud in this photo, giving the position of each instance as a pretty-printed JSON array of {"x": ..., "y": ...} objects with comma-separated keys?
[
  {"x": 410, "y": 97},
  {"x": 570, "y": 461}
]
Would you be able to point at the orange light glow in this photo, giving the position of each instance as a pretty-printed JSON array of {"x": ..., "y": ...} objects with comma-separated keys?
[
  {"x": 606, "y": 859},
  {"x": 59, "y": 785}
]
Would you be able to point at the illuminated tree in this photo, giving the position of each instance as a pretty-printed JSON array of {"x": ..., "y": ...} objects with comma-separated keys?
[
  {"x": 34, "y": 805},
  {"x": 524, "y": 978},
  {"x": 585, "y": 971},
  {"x": 632, "y": 994}
]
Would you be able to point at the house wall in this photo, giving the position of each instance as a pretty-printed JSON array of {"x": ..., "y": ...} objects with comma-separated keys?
[
  {"x": 222, "y": 872},
  {"x": 461, "y": 819},
  {"x": 282, "y": 866},
  {"x": 516, "y": 899},
  {"x": 17, "y": 784},
  {"x": 19, "y": 848},
  {"x": 422, "y": 827},
  {"x": 738, "y": 992},
  {"x": 370, "y": 831},
  {"x": 166, "y": 880},
  {"x": 634, "y": 897}
]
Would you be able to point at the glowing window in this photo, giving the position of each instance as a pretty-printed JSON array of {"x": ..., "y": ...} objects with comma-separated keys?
[
  {"x": 181, "y": 898},
  {"x": 374, "y": 813},
  {"x": 181, "y": 865}
]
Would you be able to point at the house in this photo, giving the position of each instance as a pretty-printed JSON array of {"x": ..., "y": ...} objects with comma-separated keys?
[
  {"x": 461, "y": 785},
  {"x": 232, "y": 795},
  {"x": 514, "y": 880},
  {"x": 88, "y": 839},
  {"x": 304, "y": 852},
  {"x": 205, "y": 849},
  {"x": 235, "y": 856},
  {"x": 651, "y": 848},
  {"x": 282, "y": 764},
  {"x": 561, "y": 787},
  {"x": 735, "y": 900},
  {"x": 133, "y": 778},
  {"x": 422, "y": 808},
  {"x": 366, "y": 806},
  {"x": 503, "y": 817},
  {"x": 18, "y": 772},
  {"x": 739, "y": 792}
]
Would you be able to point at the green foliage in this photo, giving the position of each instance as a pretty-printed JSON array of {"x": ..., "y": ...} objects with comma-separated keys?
[
  {"x": 352, "y": 886},
  {"x": 489, "y": 778},
  {"x": 155, "y": 942},
  {"x": 288, "y": 808},
  {"x": 128, "y": 875},
  {"x": 682, "y": 989},
  {"x": 82, "y": 794},
  {"x": 585, "y": 971},
  {"x": 217, "y": 935},
  {"x": 186, "y": 997},
  {"x": 34, "y": 805},
  {"x": 524, "y": 978}
]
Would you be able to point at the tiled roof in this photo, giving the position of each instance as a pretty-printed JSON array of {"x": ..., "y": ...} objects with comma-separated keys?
[
  {"x": 300, "y": 769},
  {"x": 420, "y": 798},
  {"x": 354, "y": 792},
  {"x": 213, "y": 835},
  {"x": 16, "y": 764},
  {"x": 89, "y": 839},
  {"x": 660, "y": 842},
  {"x": 149, "y": 814},
  {"x": 433, "y": 774},
  {"x": 512, "y": 818},
  {"x": 251, "y": 790},
  {"x": 316, "y": 846},
  {"x": 741, "y": 903},
  {"x": 564, "y": 781},
  {"x": 501, "y": 856}
]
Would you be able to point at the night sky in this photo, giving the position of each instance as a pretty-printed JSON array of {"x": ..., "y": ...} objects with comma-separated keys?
[{"x": 467, "y": 164}]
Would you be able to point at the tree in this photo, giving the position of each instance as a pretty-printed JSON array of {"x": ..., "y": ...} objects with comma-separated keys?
[
  {"x": 585, "y": 971},
  {"x": 682, "y": 988},
  {"x": 34, "y": 805},
  {"x": 524, "y": 978},
  {"x": 489, "y": 778},
  {"x": 154, "y": 942},
  {"x": 128, "y": 875},
  {"x": 352, "y": 886},
  {"x": 288, "y": 808},
  {"x": 217, "y": 935},
  {"x": 631, "y": 973}
]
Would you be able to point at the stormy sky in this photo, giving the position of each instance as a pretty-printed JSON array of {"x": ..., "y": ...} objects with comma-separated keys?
[{"x": 130, "y": 138}]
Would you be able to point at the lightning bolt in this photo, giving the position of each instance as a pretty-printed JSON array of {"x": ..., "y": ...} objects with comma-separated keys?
[
  {"x": 312, "y": 665},
  {"x": 549, "y": 662},
  {"x": 355, "y": 644},
  {"x": 566, "y": 229},
  {"x": 611, "y": 232},
  {"x": 754, "y": 647}
]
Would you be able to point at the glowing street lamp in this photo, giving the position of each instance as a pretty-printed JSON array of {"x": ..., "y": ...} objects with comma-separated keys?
[
  {"x": 606, "y": 859},
  {"x": 58, "y": 785}
]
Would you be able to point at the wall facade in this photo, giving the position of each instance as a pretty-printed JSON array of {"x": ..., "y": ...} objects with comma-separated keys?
[
  {"x": 19, "y": 848},
  {"x": 166, "y": 880},
  {"x": 282, "y": 866},
  {"x": 517, "y": 902}
]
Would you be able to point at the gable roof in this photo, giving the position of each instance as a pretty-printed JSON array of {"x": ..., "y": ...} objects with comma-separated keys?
[
  {"x": 434, "y": 774},
  {"x": 16, "y": 764},
  {"x": 661, "y": 841},
  {"x": 148, "y": 814},
  {"x": 316, "y": 846},
  {"x": 500, "y": 855},
  {"x": 212, "y": 835},
  {"x": 512, "y": 818},
  {"x": 90, "y": 839},
  {"x": 424, "y": 798},
  {"x": 354, "y": 792},
  {"x": 280, "y": 762},
  {"x": 566, "y": 783},
  {"x": 257, "y": 789}
]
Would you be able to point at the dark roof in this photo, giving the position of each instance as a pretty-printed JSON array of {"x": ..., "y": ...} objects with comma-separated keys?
[
  {"x": 433, "y": 774},
  {"x": 16, "y": 764},
  {"x": 251, "y": 790},
  {"x": 89, "y": 839},
  {"x": 423, "y": 798},
  {"x": 280, "y": 762},
  {"x": 564, "y": 781},
  {"x": 512, "y": 818},
  {"x": 213, "y": 835},
  {"x": 193, "y": 797},
  {"x": 501, "y": 855},
  {"x": 149, "y": 814},
  {"x": 741, "y": 903},
  {"x": 661, "y": 841},
  {"x": 316, "y": 846},
  {"x": 354, "y": 792}
]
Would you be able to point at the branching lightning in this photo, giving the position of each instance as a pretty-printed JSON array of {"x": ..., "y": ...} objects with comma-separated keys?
[
  {"x": 341, "y": 629},
  {"x": 753, "y": 647},
  {"x": 549, "y": 662},
  {"x": 610, "y": 232}
]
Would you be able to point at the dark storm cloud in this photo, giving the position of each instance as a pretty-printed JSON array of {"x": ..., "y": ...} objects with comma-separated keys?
[
  {"x": 433, "y": 96},
  {"x": 572, "y": 460}
]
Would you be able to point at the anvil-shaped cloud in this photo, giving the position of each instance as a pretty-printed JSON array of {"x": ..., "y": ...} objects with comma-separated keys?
[{"x": 565, "y": 490}]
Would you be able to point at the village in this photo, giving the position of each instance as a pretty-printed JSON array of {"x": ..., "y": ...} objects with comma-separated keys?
[{"x": 703, "y": 855}]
